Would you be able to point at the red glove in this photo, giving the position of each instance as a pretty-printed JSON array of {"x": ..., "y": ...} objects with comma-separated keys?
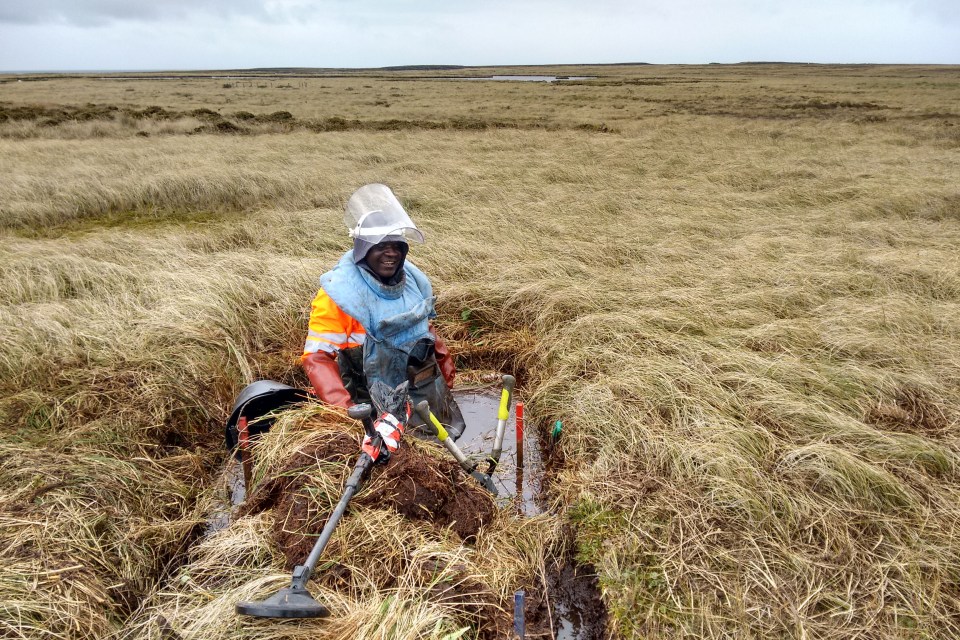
[
  {"x": 324, "y": 374},
  {"x": 445, "y": 361},
  {"x": 390, "y": 430}
]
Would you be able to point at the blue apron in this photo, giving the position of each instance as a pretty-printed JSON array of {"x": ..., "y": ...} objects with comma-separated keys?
[{"x": 395, "y": 317}]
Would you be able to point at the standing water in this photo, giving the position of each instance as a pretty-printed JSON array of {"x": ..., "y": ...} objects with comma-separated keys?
[
  {"x": 480, "y": 414},
  {"x": 571, "y": 591}
]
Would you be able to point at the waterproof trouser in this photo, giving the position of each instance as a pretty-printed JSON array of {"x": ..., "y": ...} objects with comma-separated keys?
[{"x": 426, "y": 383}]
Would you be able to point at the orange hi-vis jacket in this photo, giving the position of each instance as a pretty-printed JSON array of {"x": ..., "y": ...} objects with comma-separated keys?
[{"x": 332, "y": 330}]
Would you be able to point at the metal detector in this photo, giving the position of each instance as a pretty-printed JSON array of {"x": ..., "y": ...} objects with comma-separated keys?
[{"x": 295, "y": 601}]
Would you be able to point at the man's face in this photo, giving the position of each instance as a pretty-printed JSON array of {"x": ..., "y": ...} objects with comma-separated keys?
[{"x": 384, "y": 258}]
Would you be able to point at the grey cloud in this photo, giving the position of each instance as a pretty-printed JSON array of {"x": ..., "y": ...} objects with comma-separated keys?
[
  {"x": 367, "y": 13},
  {"x": 943, "y": 11},
  {"x": 372, "y": 12},
  {"x": 99, "y": 12}
]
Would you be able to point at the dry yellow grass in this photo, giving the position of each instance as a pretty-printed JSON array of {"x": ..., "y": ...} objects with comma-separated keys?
[{"x": 737, "y": 286}]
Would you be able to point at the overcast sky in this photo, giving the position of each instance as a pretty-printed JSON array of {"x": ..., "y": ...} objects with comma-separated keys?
[{"x": 227, "y": 34}]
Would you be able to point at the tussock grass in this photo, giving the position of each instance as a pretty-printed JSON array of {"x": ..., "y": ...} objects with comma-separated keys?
[
  {"x": 745, "y": 313},
  {"x": 85, "y": 532}
]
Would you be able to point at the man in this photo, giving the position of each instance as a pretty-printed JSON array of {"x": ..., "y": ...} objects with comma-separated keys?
[{"x": 370, "y": 320}]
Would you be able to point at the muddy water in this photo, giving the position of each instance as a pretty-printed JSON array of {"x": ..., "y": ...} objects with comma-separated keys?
[
  {"x": 230, "y": 493},
  {"x": 480, "y": 413}
]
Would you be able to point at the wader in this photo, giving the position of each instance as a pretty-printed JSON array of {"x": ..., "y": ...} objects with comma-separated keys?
[{"x": 426, "y": 383}]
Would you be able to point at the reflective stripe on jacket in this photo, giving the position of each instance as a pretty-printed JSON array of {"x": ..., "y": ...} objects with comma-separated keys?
[{"x": 330, "y": 328}]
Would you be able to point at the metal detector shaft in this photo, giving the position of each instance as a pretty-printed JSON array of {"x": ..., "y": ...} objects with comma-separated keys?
[
  {"x": 302, "y": 573},
  {"x": 295, "y": 601},
  {"x": 502, "y": 416}
]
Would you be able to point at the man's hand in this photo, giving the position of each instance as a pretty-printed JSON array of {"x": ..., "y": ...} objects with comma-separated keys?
[{"x": 390, "y": 430}]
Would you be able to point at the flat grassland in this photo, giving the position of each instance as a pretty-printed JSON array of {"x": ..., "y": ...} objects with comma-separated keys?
[{"x": 737, "y": 286}]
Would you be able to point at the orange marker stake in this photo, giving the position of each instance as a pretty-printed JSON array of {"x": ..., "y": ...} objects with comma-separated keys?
[
  {"x": 245, "y": 460},
  {"x": 520, "y": 454}
]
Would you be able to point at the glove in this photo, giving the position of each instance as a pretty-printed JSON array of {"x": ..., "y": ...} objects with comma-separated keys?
[
  {"x": 390, "y": 430},
  {"x": 445, "y": 361},
  {"x": 324, "y": 375}
]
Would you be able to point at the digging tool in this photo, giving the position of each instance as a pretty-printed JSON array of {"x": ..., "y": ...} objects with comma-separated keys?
[
  {"x": 502, "y": 416},
  {"x": 423, "y": 410},
  {"x": 246, "y": 461},
  {"x": 295, "y": 601}
]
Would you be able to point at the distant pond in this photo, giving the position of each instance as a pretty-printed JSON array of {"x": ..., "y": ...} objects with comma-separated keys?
[{"x": 523, "y": 78}]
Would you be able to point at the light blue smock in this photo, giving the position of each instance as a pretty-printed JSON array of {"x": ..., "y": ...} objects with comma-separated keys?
[{"x": 395, "y": 317}]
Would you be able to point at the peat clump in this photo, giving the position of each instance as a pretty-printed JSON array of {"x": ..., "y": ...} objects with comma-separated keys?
[
  {"x": 414, "y": 484},
  {"x": 420, "y": 487}
]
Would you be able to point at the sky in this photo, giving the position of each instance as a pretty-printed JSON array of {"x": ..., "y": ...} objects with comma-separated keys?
[{"x": 127, "y": 35}]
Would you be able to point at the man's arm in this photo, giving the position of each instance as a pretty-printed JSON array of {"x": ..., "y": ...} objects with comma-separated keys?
[
  {"x": 324, "y": 375},
  {"x": 330, "y": 330},
  {"x": 444, "y": 359}
]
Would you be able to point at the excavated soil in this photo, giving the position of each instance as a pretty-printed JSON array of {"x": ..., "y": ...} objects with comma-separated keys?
[
  {"x": 413, "y": 484},
  {"x": 421, "y": 488},
  {"x": 286, "y": 492}
]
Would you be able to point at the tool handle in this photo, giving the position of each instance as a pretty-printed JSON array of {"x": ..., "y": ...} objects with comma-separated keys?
[
  {"x": 363, "y": 412},
  {"x": 505, "y": 397},
  {"x": 462, "y": 459},
  {"x": 303, "y": 572},
  {"x": 423, "y": 410},
  {"x": 503, "y": 414}
]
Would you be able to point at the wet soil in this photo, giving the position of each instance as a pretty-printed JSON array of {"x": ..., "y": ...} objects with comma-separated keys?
[
  {"x": 570, "y": 608},
  {"x": 287, "y": 494},
  {"x": 421, "y": 488},
  {"x": 413, "y": 484}
]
